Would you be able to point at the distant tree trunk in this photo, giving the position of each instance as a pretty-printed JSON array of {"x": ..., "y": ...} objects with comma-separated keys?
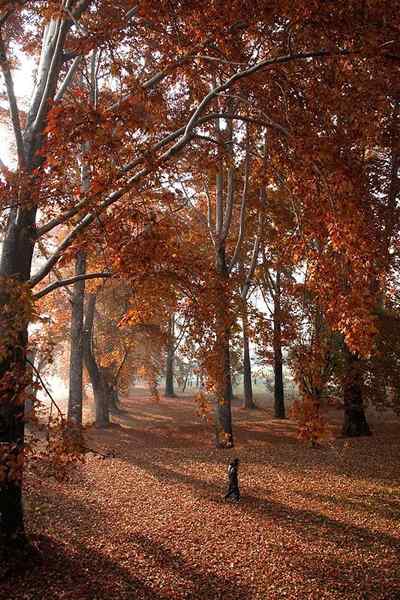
[
  {"x": 95, "y": 374},
  {"x": 185, "y": 382},
  {"x": 248, "y": 401},
  {"x": 111, "y": 387},
  {"x": 354, "y": 423},
  {"x": 76, "y": 351},
  {"x": 279, "y": 398},
  {"x": 169, "y": 374}
]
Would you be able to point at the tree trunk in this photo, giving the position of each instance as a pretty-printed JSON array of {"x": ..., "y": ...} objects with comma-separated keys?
[
  {"x": 248, "y": 401},
  {"x": 354, "y": 423},
  {"x": 14, "y": 378},
  {"x": 76, "y": 352},
  {"x": 169, "y": 373},
  {"x": 279, "y": 398},
  {"x": 15, "y": 267},
  {"x": 112, "y": 396},
  {"x": 223, "y": 383},
  {"x": 95, "y": 374}
]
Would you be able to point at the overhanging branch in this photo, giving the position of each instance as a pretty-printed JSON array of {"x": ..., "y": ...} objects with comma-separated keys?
[{"x": 69, "y": 281}]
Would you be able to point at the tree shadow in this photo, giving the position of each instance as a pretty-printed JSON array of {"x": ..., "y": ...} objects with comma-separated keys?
[
  {"x": 310, "y": 524},
  {"x": 375, "y": 504},
  {"x": 203, "y": 584},
  {"x": 80, "y": 572}
]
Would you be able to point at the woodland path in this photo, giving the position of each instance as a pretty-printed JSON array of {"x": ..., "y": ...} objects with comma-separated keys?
[{"x": 151, "y": 523}]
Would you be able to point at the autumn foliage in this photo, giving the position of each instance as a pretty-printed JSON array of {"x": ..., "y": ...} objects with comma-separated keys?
[{"x": 201, "y": 186}]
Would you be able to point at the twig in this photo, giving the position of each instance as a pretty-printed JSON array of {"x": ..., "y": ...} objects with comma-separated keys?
[{"x": 53, "y": 402}]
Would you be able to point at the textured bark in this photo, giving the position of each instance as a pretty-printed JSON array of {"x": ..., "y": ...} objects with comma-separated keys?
[
  {"x": 279, "y": 397},
  {"x": 95, "y": 374},
  {"x": 248, "y": 401},
  {"x": 76, "y": 353},
  {"x": 110, "y": 379},
  {"x": 170, "y": 363},
  {"x": 223, "y": 411},
  {"x": 12, "y": 425},
  {"x": 12, "y": 419},
  {"x": 16, "y": 262},
  {"x": 354, "y": 423}
]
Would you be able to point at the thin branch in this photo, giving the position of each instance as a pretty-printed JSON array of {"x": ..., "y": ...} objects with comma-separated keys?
[
  {"x": 62, "y": 28},
  {"x": 132, "y": 12},
  {"x": 14, "y": 112},
  {"x": 126, "y": 352},
  {"x": 68, "y": 78},
  {"x": 268, "y": 120},
  {"x": 242, "y": 209},
  {"x": 172, "y": 151},
  {"x": 53, "y": 402},
  {"x": 69, "y": 281},
  {"x": 209, "y": 212},
  {"x": 270, "y": 62},
  {"x": 40, "y": 231},
  {"x": 219, "y": 201},
  {"x": 56, "y": 271},
  {"x": 219, "y": 60},
  {"x": 229, "y": 204},
  {"x": 256, "y": 249}
]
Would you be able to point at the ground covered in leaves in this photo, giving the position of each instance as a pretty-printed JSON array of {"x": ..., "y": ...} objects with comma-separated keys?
[{"x": 151, "y": 523}]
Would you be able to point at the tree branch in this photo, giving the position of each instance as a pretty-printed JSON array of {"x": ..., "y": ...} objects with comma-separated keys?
[
  {"x": 242, "y": 209},
  {"x": 229, "y": 203},
  {"x": 195, "y": 120},
  {"x": 69, "y": 281},
  {"x": 68, "y": 78},
  {"x": 62, "y": 28},
  {"x": 14, "y": 112}
]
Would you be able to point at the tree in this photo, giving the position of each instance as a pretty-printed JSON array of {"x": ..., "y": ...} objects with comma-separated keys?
[
  {"x": 140, "y": 124},
  {"x": 77, "y": 347},
  {"x": 169, "y": 368}
]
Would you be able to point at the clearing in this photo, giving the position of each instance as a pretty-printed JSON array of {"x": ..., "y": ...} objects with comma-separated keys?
[{"x": 151, "y": 523}]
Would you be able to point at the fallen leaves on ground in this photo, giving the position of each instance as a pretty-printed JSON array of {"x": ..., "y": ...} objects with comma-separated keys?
[{"x": 151, "y": 523}]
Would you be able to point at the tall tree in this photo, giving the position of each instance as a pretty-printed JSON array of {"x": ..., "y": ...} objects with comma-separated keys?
[
  {"x": 169, "y": 368},
  {"x": 141, "y": 123},
  {"x": 75, "y": 398}
]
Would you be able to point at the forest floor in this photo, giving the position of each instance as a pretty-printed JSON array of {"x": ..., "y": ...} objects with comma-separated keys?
[{"x": 151, "y": 523}]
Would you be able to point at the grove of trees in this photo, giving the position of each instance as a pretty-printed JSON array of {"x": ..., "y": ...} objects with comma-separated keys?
[{"x": 184, "y": 184}]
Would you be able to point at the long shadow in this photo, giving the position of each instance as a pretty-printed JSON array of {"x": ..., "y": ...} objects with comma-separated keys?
[
  {"x": 85, "y": 574},
  {"x": 315, "y": 526},
  {"x": 311, "y": 524},
  {"x": 203, "y": 584},
  {"x": 384, "y": 507}
]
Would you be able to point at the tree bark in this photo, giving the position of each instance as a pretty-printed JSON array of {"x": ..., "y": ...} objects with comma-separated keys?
[
  {"x": 15, "y": 267},
  {"x": 95, "y": 374},
  {"x": 76, "y": 352},
  {"x": 248, "y": 401},
  {"x": 279, "y": 397},
  {"x": 355, "y": 423},
  {"x": 113, "y": 396},
  {"x": 169, "y": 373},
  {"x": 223, "y": 384},
  {"x": 14, "y": 378}
]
